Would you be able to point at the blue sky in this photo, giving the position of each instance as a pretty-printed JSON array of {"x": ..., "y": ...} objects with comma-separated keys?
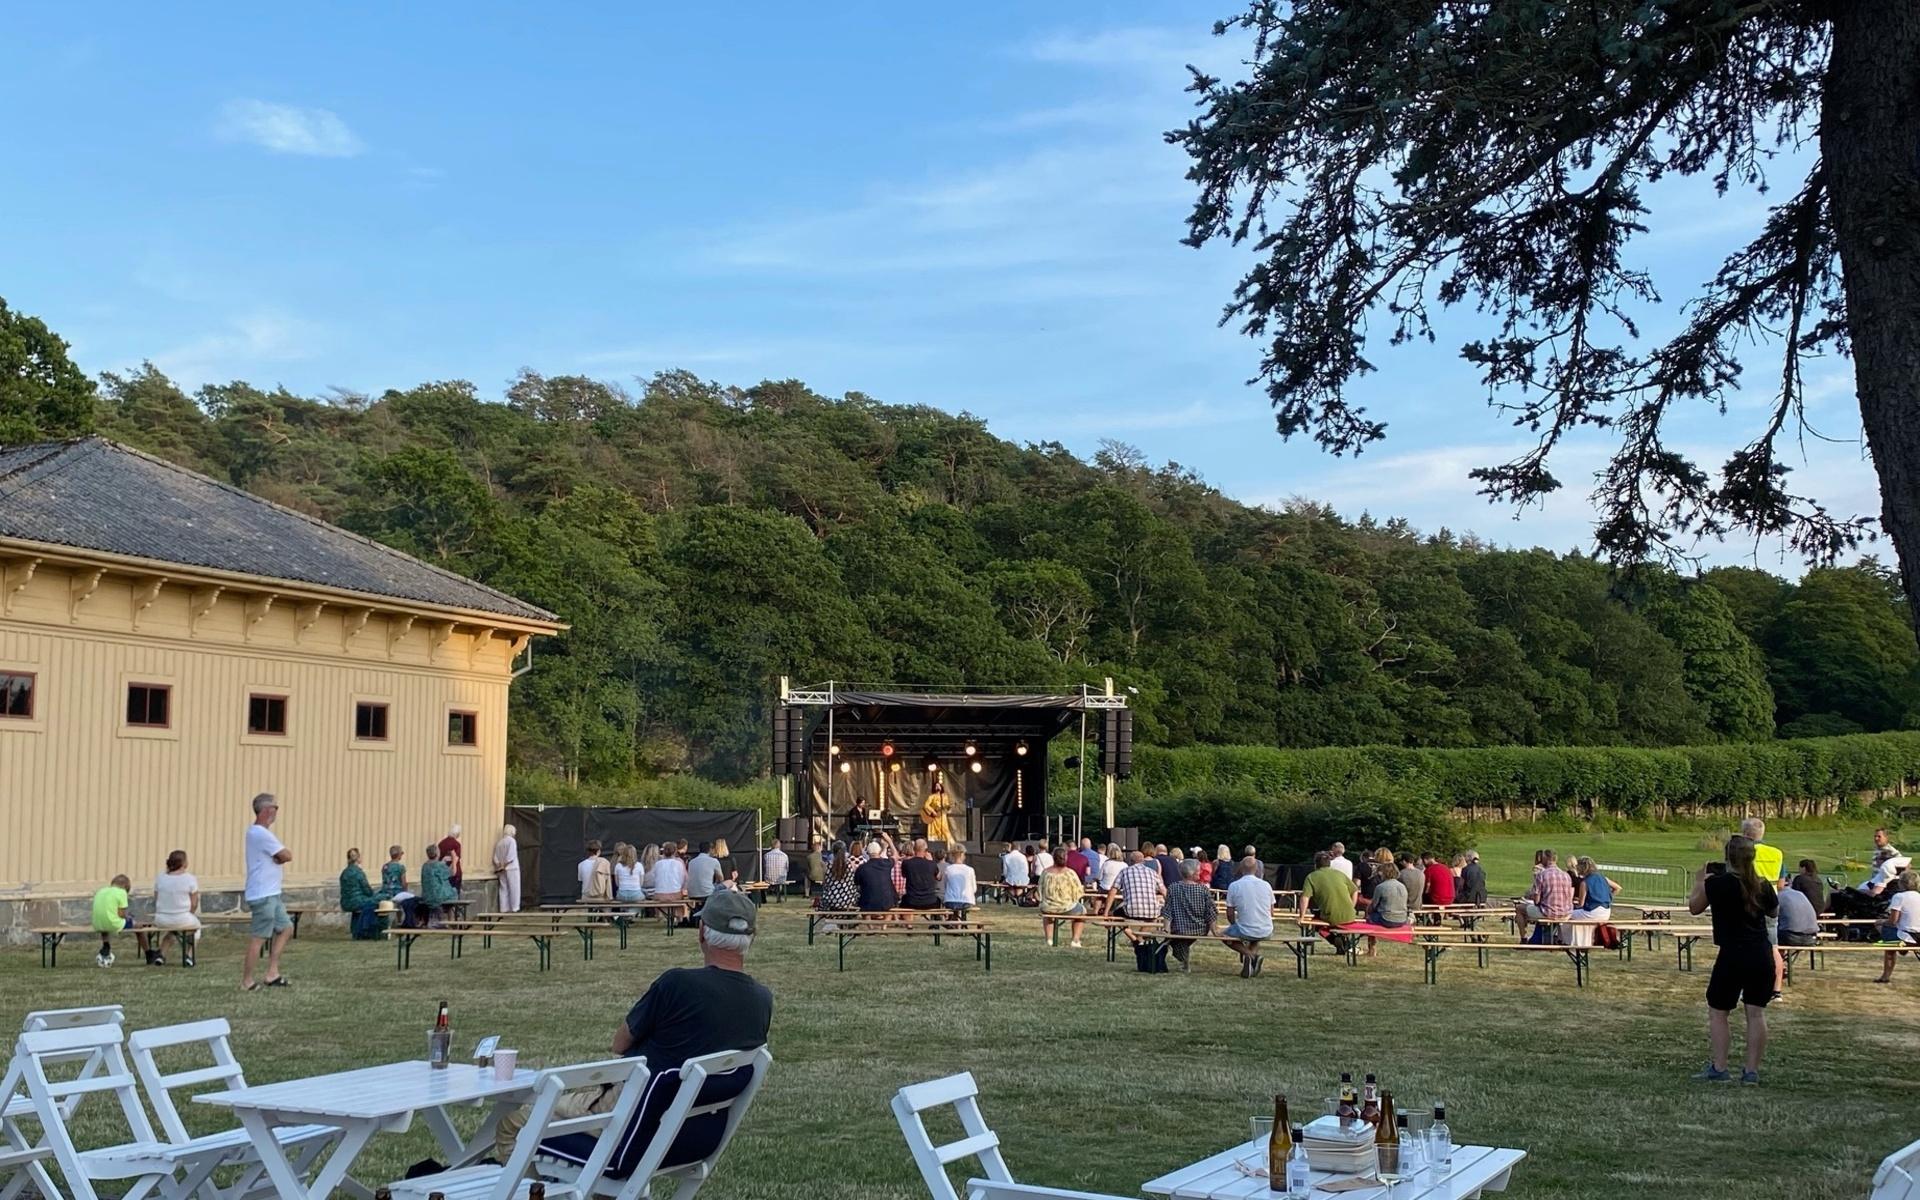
[{"x": 971, "y": 208}]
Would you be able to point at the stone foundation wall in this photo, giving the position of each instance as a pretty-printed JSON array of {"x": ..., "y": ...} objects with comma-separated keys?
[{"x": 18, "y": 918}]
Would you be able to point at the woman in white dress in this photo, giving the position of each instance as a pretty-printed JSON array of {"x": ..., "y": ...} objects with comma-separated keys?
[
  {"x": 506, "y": 868},
  {"x": 176, "y": 907}
]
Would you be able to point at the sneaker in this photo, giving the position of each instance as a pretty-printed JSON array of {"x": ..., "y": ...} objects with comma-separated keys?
[
  {"x": 1750, "y": 1078},
  {"x": 1712, "y": 1074},
  {"x": 1076, "y": 945},
  {"x": 1259, "y": 961},
  {"x": 156, "y": 959},
  {"x": 1246, "y": 968},
  {"x": 186, "y": 958},
  {"x": 103, "y": 958}
]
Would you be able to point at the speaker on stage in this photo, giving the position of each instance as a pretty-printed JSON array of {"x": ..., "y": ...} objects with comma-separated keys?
[
  {"x": 1127, "y": 837},
  {"x": 796, "y": 831}
]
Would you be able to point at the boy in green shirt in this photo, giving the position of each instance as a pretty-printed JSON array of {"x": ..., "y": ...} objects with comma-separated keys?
[{"x": 110, "y": 917}]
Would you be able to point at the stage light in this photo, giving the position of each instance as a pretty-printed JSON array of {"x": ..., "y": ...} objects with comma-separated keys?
[
  {"x": 976, "y": 766},
  {"x": 846, "y": 768},
  {"x": 834, "y": 749},
  {"x": 972, "y": 749},
  {"x": 894, "y": 767},
  {"x": 1020, "y": 748},
  {"x": 886, "y": 749},
  {"x": 933, "y": 768}
]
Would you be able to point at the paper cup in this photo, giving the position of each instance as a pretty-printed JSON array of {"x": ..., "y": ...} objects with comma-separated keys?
[{"x": 503, "y": 1063}]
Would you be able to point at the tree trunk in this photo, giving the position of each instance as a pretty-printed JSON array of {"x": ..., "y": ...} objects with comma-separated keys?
[{"x": 1870, "y": 145}]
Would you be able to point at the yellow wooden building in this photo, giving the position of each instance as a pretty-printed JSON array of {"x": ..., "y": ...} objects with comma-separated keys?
[{"x": 171, "y": 645}]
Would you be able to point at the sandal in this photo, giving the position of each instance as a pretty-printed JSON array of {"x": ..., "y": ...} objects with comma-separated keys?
[
  {"x": 282, "y": 981},
  {"x": 249, "y": 987}
]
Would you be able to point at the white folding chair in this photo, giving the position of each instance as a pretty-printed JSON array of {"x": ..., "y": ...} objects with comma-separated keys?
[
  {"x": 980, "y": 1142},
  {"x": 1899, "y": 1175},
  {"x": 233, "y": 1147},
  {"x": 683, "y": 1125},
  {"x": 506, "y": 1182},
  {"x": 142, "y": 1160},
  {"x": 21, "y": 1157}
]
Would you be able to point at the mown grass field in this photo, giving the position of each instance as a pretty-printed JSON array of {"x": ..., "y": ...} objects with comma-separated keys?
[{"x": 1100, "y": 1078}]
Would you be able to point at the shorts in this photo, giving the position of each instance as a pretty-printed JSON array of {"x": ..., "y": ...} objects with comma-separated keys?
[
  {"x": 187, "y": 922},
  {"x": 958, "y": 908},
  {"x": 1773, "y": 930},
  {"x": 1531, "y": 912},
  {"x": 1790, "y": 938},
  {"x": 1235, "y": 933},
  {"x": 1743, "y": 976},
  {"x": 269, "y": 916},
  {"x": 127, "y": 923},
  {"x": 1078, "y": 910}
]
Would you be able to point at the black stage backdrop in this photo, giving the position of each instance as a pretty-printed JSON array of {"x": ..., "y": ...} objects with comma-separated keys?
[
  {"x": 1005, "y": 800},
  {"x": 556, "y": 839}
]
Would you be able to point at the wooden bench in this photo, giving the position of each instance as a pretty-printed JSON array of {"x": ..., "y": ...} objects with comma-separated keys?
[
  {"x": 621, "y": 912},
  {"x": 894, "y": 916},
  {"x": 52, "y": 935},
  {"x": 1831, "y": 945},
  {"x": 243, "y": 918},
  {"x": 550, "y": 924},
  {"x": 1435, "y": 943},
  {"x": 981, "y": 935},
  {"x": 541, "y": 936}
]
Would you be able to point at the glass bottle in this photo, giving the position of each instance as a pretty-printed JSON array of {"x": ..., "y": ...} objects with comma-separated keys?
[
  {"x": 1440, "y": 1142},
  {"x": 1370, "y": 1101},
  {"x": 1279, "y": 1146},
  {"x": 1299, "y": 1174},
  {"x": 1349, "y": 1106},
  {"x": 1386, "y": 1136}
]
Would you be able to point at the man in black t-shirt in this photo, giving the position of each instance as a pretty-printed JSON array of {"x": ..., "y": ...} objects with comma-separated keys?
[
  {"x": 687, "y": 1011},
  {"x": 922, "y": 876}
]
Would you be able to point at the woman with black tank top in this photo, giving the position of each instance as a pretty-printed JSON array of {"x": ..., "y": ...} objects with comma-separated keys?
[{"x": 1741, "y": 902}]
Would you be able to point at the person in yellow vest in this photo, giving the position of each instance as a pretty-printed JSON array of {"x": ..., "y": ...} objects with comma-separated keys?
[
  {"x": 1770, "y": 864},
  {"x": 934, "y": 813}
]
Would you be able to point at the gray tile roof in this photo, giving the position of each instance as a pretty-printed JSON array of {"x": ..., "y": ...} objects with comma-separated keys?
[{"x": 93, "y": 494}]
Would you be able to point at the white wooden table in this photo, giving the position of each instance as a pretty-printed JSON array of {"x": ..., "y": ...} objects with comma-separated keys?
[
  {"x": 361, "y": 1103},
  {"x": 1476, "y": 1169}
]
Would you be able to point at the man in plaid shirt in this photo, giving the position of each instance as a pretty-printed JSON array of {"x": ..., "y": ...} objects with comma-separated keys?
[
  {"x": 1189, "y": 908},
  {"x": 1142, "y": 892},
  {"x": 1549, "y": 901}
]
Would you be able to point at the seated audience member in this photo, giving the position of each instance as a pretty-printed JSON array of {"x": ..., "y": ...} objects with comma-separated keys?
[
  {"x": 1592, "y": 901},
  {"x": 1189, "y": 908},
  {"x": 686, "y": 1013},
  {"x": 704, "y": 875},
  {"x": 1809, "y": 884},
  {"x": 1903, "y": 917},
  {"x": 1250, "y": 915},
  {"x": 1169, "y": 866},
  {"x": 958, "y": 885},
  {"x": 773, "y": 867},
  {"x": 1042, "y": 860},
  {"x": 649, "y": 859},
  {"x": 1224, "y": 868},
  {"x": 1015, "y": 871},
  {"x": 629, "y": 877},
  {"x": 1339, "y": 860},
  {"x": 176, "y": 908},
  {"x": 1887, "y": 861},
  {"x": 1439, "y": 880},
  {"x": 838, "y": 891},
  {"x": 670, "y": 880},
  {"x": 357, "y": 899},
  {"x": 1077, "y": 861},
  {"x": 393, "y": 886},
  {"x": 110, "y": 916},
  {"x": 594, "y": 873},
  {"x": 1062, "y": 895},
  {"x": 1414, "y": 878},
  {"x": 1388, "y": 908},
  {"x": 874, "y": 879},
  {"x": 1549, "y": 900},
  {"x": 922, "y": 876},
  {"x": 1799, "y": 920},
  {"x": 436, "y": 888},
  {"x": 1372, "y": 869},
  {"x": 1259, "y": 868},
  {"x": 1139, "y": 894},
  {"x": 1473, "y": 881},
  {"x": 1111, "y": 866},
  {"x": 1327, "y": 894}
]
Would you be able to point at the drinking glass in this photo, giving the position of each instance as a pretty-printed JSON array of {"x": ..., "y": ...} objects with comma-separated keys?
[{"x": 1262, "y": 1127}]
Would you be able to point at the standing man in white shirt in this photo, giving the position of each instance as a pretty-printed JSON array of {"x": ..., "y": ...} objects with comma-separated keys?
[
  {"x": 506, "y": 868},
  {"x": 269, "y": 921},
  {"x": 1341, "y": 862}
]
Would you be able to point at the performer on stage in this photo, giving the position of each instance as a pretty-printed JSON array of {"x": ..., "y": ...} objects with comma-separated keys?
[{"x": 934, "y": 813}]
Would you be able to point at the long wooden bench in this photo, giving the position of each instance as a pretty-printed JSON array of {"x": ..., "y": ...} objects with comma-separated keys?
[
  {"x": 542, "y": 937},
  {"x": 243, "y": 918},
  {"x": 51, "y": 936},
  {"x": 819, "y": 917},
  {"x": 1434, "y": 943},
  {"x": 981, "y": 935},
  {"x": 1829, "y": 945}
]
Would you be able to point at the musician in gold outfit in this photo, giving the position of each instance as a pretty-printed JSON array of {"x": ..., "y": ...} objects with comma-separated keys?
[{"x": 934, "y": 812}]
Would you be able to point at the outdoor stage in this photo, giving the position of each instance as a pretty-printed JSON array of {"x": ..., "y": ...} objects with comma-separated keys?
[{"x": 971, "y": 765}]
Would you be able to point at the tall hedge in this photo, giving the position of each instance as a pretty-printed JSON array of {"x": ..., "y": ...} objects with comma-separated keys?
[{"x": 1787, "y": 775}]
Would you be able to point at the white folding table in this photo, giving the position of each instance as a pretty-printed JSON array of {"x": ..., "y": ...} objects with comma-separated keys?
[
  {"x": 1476, "y": 1169},
  {"x": 361, "y": 1103}
]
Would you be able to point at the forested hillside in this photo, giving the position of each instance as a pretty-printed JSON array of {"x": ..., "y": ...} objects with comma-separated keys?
[{"x": 703, "y": 540}]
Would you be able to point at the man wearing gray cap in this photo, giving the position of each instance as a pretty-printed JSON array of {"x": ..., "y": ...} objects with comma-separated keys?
[{"x": 687, "y": 1012}]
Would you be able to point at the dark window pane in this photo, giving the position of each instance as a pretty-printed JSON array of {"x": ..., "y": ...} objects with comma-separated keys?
[
  {"x": 462, "y": 729},
  {"x": 370, "y": 722},
  {"x": 267, "y": 714},
  {"x": 147, "y": 704},
  {"x": 16, "y": 695},
  {"x": 136, "y": 706}
]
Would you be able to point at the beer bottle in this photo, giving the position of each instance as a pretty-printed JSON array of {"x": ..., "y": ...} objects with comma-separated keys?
[
  {"x": 383, "y": 1192},
  {"x": 1370, "y": 1101},
  {"x": 1386, "y": 1137},
  {"x": 1349, "y": 1106},
  {"x": 536, "y": 1191},
  {"x": 440, "y": 1020},
  {"x": 1279, "y": 1146}
]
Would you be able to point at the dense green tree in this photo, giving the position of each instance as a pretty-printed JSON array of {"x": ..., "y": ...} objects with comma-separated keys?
[
  {"x": 1841, "y": 648},
  {"x": 1726, "y": 674},
  {"x": 42, "y": 394}
]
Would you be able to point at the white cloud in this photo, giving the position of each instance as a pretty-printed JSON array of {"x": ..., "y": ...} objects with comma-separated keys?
[
  {"x": 287, "y": 129},
  {"x": 248, "y": 342}
]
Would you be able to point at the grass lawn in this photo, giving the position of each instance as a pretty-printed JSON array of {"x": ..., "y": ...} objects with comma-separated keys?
[
  {"x": 1508, "y": 857},
  {"x": 1098, "y": 1078}
]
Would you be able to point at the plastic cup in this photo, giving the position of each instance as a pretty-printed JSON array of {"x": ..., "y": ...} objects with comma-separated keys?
[
  {"x": 504, "y": 1062},
  {"x": 1262, "y": 1127}
]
